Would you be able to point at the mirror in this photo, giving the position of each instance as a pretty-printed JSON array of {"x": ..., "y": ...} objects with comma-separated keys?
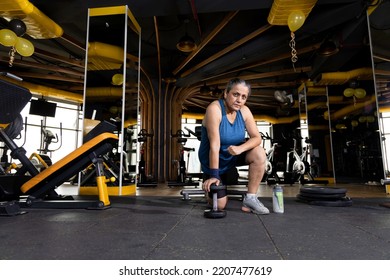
[
  {"x": 303, "y": 127},
  {"x": 111, "y": 86},
  {"x": 320, "y": 151},
  {"x": 380, "y": 38},
  {"x": 353, "y": 114}
]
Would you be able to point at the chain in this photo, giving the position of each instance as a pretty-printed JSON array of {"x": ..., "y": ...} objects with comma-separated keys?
[
  {"x": 294, "y": 57},
  {"x": 11, "y": 56}
]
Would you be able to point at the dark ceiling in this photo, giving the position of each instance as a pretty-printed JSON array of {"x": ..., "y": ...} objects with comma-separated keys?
[{"x": 245, "y": 46}]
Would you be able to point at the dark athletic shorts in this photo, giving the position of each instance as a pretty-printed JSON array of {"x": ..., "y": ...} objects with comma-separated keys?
[{"x": 228, "y": 178}]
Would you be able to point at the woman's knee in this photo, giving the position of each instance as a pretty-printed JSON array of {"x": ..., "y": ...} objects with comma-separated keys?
[
  {"x": 256, "y": 155},
  {"x": 222, "y": 203}
]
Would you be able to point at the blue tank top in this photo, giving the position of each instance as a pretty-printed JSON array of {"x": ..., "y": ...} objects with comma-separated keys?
[{"x": 230, "y": 134}]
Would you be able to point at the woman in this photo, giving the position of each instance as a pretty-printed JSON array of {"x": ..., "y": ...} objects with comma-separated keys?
[{"x": 223, "y": 145}]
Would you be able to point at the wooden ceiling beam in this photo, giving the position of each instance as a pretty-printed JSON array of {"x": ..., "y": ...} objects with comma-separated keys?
[
  {"x": 70, "y": 61},
  {"x": 35, "y": 65},
  {"x": 228, "y": 49},
  {"x": 273, "y": 85},
  {"x": 283, "y": 72},
  {"x": 47, "y": 77},
  {"x": 204, "y": 42},
  {"x": 265, "y": 62}
]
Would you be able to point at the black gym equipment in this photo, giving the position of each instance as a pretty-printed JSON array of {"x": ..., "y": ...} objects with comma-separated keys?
[
  {"x": 231, "y": 192},
  {"x": 31, "y": 188},
  {"x": 182, "y": 178},
  {"x": 270, "y": 176},
  {"x": 308, "y": 177},
  {"x": 143, "y": 180},
  {"x": 13, "y": 130},
  {"x": 215, "y": 213},
  {"x": 198, "y": 134},
  {"x": 324, "y": 196},
  {"x": 47, "y": 138},
  {"x": 111, "y": 168},
  {"x": 298, "y": 168}
]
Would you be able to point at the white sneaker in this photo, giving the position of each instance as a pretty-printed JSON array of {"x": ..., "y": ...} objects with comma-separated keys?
[{"x": 254, "y": 205}]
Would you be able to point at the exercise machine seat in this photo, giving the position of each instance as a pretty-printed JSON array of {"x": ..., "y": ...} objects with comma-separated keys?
[{"x": 62, "y": 170}]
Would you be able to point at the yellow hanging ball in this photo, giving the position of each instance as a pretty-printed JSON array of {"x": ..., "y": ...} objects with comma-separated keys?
[
  {"x": 326, "y": 115},
  {"x": 295, "y": 20},
  {"x": 24, "y": 47},
  {"x": 362, "y": 119},
  {"x": 348, "y": 92},
  {"x": 370, "y": 119},
  {"x": 113, "y": 110},
  {"x": 7, "y": 37},
  {"x": 340, "y": 126},
  {"x": 117, "y": 79},
  {"x": 360, "y": 93}
]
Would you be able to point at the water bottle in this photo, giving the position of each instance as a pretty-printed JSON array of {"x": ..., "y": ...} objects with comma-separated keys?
[{"x": 277, "y": 199}]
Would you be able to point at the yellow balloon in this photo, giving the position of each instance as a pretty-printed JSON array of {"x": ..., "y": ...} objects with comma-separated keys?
[
  {"x": 113, "y": 109},
  {"x": 362, "y": 119},
  {"x": 370, "y": 119},
  {"x": 326, "y": 115},
  {"x": 24, "y": 47},
  {"x": 117, "y": 79},
  {"x": 348, "y": 92},
  {"x": 360, "y": 93},
  {"x": 340, "y": 126},
  {"x": 295, "y": 20},
  {"x": 7, "y": 37}
]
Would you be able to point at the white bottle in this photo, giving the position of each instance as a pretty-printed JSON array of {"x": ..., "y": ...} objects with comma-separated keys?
[{"x": 277, "y": 199}]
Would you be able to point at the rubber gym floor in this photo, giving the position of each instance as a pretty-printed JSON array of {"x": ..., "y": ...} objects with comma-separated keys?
[{"x": 165, "y": 227}]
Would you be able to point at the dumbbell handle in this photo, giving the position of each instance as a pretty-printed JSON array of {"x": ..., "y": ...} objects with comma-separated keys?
[{"x": 215, "y": 188}]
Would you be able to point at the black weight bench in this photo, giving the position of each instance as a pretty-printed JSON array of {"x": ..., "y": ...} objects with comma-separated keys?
[
  {"x": 37, "y": 189},
  {"x": 41, "y": 184}
]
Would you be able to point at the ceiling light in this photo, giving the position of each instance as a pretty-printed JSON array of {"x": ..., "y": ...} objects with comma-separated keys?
[
  {"x": 186, "y": 44},
  {"x": 328, "y": 48}
]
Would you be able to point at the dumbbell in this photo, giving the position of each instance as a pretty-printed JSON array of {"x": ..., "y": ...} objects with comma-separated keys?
[{"x": 215, "y": 213}]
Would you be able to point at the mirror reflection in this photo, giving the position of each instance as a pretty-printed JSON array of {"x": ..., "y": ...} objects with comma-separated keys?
[
  {"x": 342, "y": 117},
  {"x": 380, "y": 39},
  {"x": 340, "y": 110},
  {"x": 321, "y": 163},
  {"x": 111, "y": 85}
]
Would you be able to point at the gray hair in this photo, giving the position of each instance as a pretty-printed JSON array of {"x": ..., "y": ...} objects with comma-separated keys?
[{"x": 237, "y": 81}]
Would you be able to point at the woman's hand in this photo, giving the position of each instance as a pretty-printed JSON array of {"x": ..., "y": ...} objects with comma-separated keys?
[
  {"x": 234, "y": 150},
  {"x": 207, "y": 184}
]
